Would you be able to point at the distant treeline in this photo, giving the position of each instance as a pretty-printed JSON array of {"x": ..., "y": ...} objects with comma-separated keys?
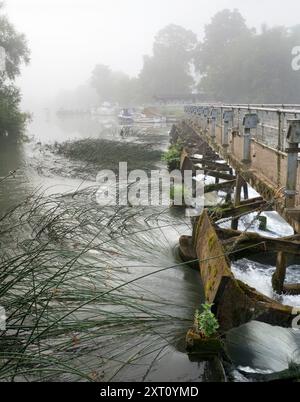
[{"x": 233, "y": 63}]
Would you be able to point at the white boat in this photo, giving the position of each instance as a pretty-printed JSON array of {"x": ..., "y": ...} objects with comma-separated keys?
[
  {"x": 125, "y": 117},
  {"x": 143, "y": 119},
  {"x": 105, "y": 110}
]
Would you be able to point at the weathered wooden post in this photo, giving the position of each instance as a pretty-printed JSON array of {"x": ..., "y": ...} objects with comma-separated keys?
[
  {"x": 246, "y": 191},
  {"x": 237, "y": 199},
  {"x": 250, "y": 122},
  {"x": 227, "y": 118},
  {"x": 280, "y": 273},
  {"x": 293, "y": 149}
]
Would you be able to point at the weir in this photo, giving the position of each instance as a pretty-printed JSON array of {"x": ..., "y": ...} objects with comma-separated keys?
[{"x": 239, "y": 146}]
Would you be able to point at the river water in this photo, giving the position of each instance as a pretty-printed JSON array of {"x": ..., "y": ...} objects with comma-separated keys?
[{"x": 125, "y": 301}]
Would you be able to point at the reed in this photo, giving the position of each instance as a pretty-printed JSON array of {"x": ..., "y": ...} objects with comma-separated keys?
[{"x": 74, "y": 281}]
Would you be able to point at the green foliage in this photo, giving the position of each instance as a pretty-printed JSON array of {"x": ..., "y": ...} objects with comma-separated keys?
[
  {"x": 167, "y": 72},
  {"x": 114, "y": 86},
  {"x": 12, "y": 121},
  {"x": 238, "y": 64},
  {"x": 206, "y": 323},
  {"x": 15, "y": 46},
  {"x": 172, "y": 156}
]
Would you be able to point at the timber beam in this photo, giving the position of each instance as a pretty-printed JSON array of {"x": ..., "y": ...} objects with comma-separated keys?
[
  {"x": 234, "y": 212},
  {"x": 219, "y": 175},
  {"x": 218, "y": 167},
  {"x": 288, "y": 245},
  {"x": 225, "y": 186}
]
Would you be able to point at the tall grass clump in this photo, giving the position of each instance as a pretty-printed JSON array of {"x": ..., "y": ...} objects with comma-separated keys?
[
  {"x": 106, "y": 153},
  {"x": 74, "y": 281}
]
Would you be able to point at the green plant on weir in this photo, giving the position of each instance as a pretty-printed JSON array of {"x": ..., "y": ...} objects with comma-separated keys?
[
  {"x": 172, "y": 156},
  {"x": 206, "y": 323}
]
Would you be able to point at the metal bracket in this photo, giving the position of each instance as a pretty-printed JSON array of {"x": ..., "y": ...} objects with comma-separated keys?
[
  {"x": 199, "y": 110},
  {"x": 228, "y": 116},
  {"x": 293, "y": 135},
  {"x": 250, "y": 121}
]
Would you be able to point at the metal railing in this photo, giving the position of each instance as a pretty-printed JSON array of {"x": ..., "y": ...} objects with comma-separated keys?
[
  {"x": 265, "y": 137},
  {"x": 272, "y": 124}
]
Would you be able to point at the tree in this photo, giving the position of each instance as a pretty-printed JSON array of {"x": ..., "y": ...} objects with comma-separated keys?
[
  {"x": 270, "y": 75},
  {"x": 168, "y": 71},
  {"x": 239, "y": 65},
  {"x": 15, "y": 46},
  {"x": 226, "y": 36},
  {"x": 102, "y": 82},
  {"x": 12, "y": 121},
  {"x": 82, "y": 98},
  {"x": 114, "y": 86},
  {"x": 16, "y": 53}
]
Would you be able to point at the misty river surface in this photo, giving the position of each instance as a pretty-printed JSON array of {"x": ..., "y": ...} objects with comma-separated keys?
[{"x": 142, "y": 241}]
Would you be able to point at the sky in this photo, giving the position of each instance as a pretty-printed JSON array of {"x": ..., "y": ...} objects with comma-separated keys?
[{"x": 68, "y": 38}]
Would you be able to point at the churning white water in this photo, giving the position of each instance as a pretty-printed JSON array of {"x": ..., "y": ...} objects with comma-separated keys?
[{"x": 259, "y": 275}]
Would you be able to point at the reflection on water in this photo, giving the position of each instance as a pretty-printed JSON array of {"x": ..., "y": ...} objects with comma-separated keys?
[
  {"x": 51, "y": 129},
  {"x": 13, "y": 175}
]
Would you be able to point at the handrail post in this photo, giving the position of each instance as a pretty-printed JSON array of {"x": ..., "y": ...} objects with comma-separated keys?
[
  {"x": 250, "y": 122},
  {"x": 280, "y": 131},
  {"x": 205, "y": 117},
  {"x": 293, "y": 139},
  {"x": 227, "y": 118},
  {"x": 213, "y": 117},
  {"x": 199, "y": 116}
]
